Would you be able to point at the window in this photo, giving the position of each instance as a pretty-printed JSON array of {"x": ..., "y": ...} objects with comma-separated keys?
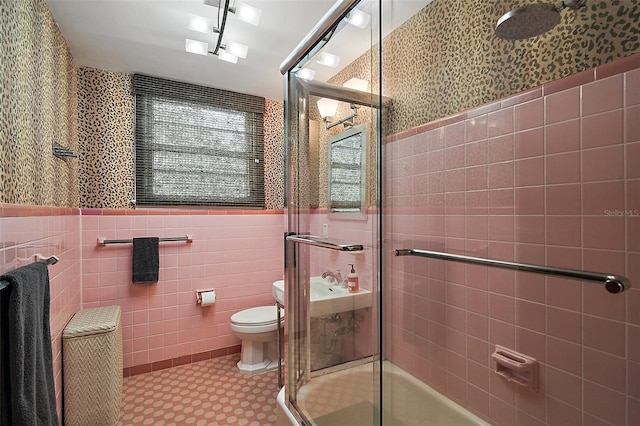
[
  {"x": 347, "y": 173},
  {"x": 197, "y": 145}
]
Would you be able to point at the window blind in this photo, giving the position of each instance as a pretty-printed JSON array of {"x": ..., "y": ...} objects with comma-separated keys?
[
  {"x": 346, "y": 173},
  {"x": 197, "y": 145}
]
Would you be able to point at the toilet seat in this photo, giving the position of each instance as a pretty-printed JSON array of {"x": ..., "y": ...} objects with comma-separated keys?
[
  {"x": 261, "y": 315},
  {"x": 262, "y": 319}
]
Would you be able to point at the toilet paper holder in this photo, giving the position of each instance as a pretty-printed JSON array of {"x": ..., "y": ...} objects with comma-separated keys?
[{"x": 199, "y": 294}]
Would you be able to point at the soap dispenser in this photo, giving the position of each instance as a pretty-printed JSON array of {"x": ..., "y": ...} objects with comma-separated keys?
[{"x": 352, "y": 279}]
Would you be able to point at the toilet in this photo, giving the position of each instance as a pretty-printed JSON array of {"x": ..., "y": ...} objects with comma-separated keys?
[{"x": 257, "y": 328}]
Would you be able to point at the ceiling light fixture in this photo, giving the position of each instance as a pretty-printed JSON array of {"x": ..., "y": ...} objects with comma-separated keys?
[
  {"x": 230, "y": 51},
  {"x": 237, "y": 49},
  {"x": 197, "y": 47},
  {"x": 243, "y": 11},
  {"x": 200, "y": 24},
  {"x": 306, "y": 73},
  {"x": 246, "y": 13},
  {"x": 358, "y": 18},
  {"x": 328, "y": 60},
  {"x": 223, "y": 55}
]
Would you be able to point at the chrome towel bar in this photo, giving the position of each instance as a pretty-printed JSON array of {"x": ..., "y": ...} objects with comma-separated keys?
[
  {"x": 320, "y": 242},
  {"x": 612, "y": 283},
  {"x": 101, "y": 241},
  {"x": 51, "y": 260}
]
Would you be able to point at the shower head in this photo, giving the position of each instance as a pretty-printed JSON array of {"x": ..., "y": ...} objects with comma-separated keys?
[{"x": 532, "y": 20}]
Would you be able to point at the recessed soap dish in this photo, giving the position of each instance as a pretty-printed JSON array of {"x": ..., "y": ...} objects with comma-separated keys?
[{"x": 516, "y": 367}]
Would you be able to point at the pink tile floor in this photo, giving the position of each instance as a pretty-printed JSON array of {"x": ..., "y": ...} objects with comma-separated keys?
[{"x": 211, "y": 392}]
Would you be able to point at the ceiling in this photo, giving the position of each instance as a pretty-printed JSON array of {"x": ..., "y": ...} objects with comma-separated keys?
[{"x": 148, "y": 37}]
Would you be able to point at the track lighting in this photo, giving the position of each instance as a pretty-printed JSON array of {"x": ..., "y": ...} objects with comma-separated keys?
[
  {"x": 358, "y": 18},
  {"x": 229, "y": 51},
  {"x": 197, "y": 47}
]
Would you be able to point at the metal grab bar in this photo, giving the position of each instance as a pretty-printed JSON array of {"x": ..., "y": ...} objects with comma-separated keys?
[
  {"x": 612, "y": 283},
  {"x": 102, "y": 241},
  {"x": 319, "y": 242}
]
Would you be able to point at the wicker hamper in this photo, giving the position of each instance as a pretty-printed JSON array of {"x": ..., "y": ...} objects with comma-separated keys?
[{"x": 92, "y": 366}]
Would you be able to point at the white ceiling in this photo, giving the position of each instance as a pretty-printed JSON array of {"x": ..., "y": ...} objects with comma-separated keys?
[{"x": 148, "y": 37}]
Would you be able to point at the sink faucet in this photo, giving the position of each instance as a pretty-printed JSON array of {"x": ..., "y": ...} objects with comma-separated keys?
[{"x": 334, "y": 277}]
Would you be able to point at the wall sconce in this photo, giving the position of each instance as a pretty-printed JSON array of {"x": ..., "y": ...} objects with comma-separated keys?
[
  {"x": 231, "y": 51},
  {"x": 328, "y": 108}
]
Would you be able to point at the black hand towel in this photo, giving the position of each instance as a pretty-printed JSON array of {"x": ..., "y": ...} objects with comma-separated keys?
[
  {"x": 145, "y": 260},
  {"x": 33, "y": 398}
]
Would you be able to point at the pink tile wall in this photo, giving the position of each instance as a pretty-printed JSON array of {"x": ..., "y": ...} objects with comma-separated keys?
[
  {"x": 240, "y": 255},
  {"x": 26, "y": 231},
  {"x": 551, "y": 180}
]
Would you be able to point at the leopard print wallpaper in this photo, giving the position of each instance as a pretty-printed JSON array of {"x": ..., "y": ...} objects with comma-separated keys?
[
  {"x": 38, "y": 107},
  {"x": 106, "y": 109},
  {"x": 443, "y": 60},
  {"x": 274, "y": 154},
  {"x": 446, "y": 58}
]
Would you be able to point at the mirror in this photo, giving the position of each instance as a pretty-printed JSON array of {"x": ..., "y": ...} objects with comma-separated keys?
[{"x": 347, "y": 173}]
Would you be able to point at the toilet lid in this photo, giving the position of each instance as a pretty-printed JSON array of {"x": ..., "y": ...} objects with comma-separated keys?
[{"x": 262, "y": 315}]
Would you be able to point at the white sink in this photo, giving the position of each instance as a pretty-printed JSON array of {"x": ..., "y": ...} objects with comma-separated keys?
[
  {"x": 277, "y": 290},
  {"x": 327, "y": 299}
]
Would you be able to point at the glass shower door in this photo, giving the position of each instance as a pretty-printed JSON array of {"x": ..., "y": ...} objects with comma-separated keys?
[{"x": 333, "y": 345}]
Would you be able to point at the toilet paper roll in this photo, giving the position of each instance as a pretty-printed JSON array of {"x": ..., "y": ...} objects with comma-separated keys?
[{"x": 208, "y": 298}]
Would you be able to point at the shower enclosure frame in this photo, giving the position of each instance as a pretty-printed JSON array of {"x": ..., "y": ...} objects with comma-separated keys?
[{"x": 297, "y": 94}]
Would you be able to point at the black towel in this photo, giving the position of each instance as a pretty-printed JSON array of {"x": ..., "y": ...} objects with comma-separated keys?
[
  {"x": 32, "y": 396},
  {"x": 145, "y": 260}
]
